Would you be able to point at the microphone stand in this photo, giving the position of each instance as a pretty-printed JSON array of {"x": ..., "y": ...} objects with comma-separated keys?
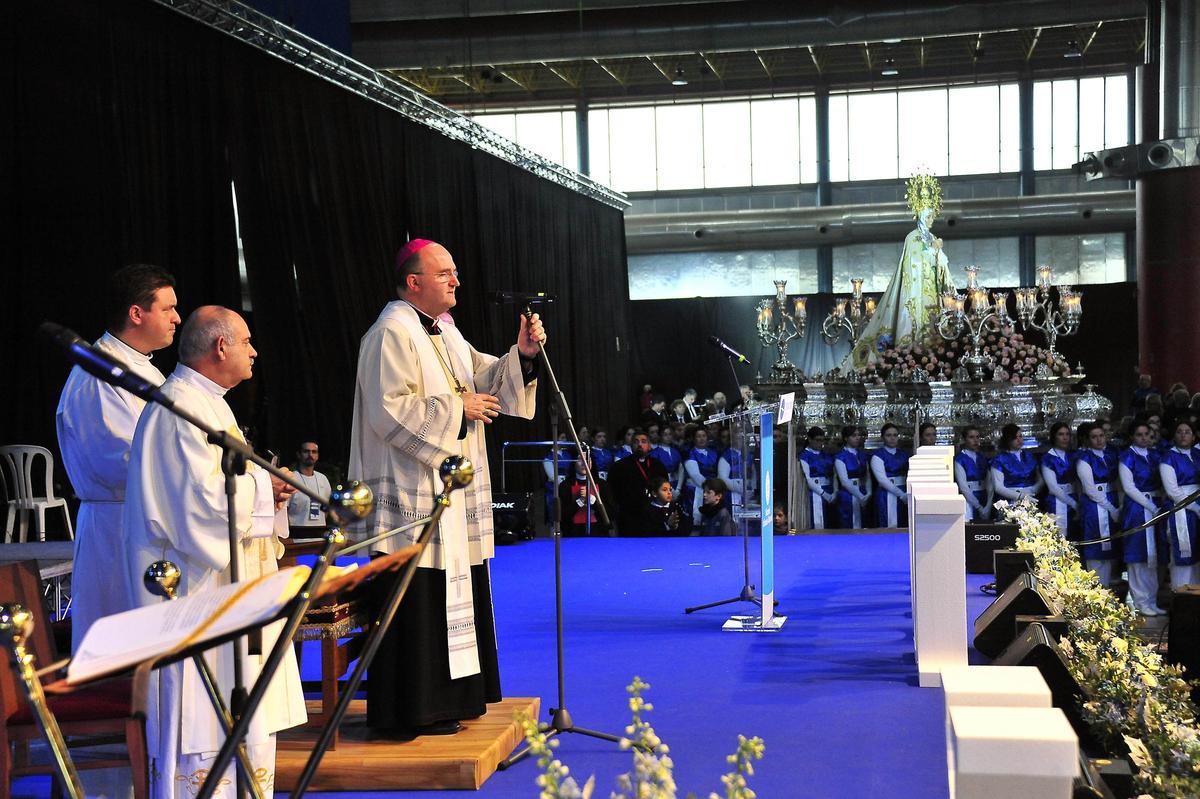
[{"x": 560, "y": 718}]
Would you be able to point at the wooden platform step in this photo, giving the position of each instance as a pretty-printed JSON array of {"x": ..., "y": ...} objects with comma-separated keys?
[{"x": 448, "y": 762}]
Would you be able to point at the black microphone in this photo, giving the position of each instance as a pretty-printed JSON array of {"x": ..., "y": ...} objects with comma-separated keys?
[
  {"x": 104, "y": 366},
  {"x": 520, "y": 297},
  {"x": 730, "y": 351}
]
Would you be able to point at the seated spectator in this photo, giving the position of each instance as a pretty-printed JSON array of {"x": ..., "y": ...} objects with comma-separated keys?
[
  {"x": 780, "y": 526},
  {"x": 692, "y": 411},
  {"x": 715, "y": 518},
  {"x": 1140, "y": 394},
  {"x": 577, "y": 503},
  {"x": 678, "y": 414},
  {"x": 665, "y": 516},
  {"x": 656, "y": 414}
]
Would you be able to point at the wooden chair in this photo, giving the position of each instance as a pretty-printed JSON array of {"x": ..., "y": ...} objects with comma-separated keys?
[{"x": 101, "y": 713}]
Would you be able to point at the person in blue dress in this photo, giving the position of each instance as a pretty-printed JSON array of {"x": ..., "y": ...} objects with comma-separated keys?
[
  {"x": 971, "y": 475},
  {"x": 602, "y": 456},
  {"x": 1180, "y": 473},
  {"x": 854, "y": 479},
  {"x": 1142, "y": 484},
  {"x": 670, "y": 457},
  {"x": 729, "y": 469},
  {"x": 566, "y": 465},
  {"x": 701, "y": 465},
  {"x": 1014, "y": 471},
  {"x": 889, "y": 468},
  {"x": 819, "y": 477},
  {"x": 1058, "y": 473},
  {"x": 1096, "y": 470},
  {"x": 927, "y": 435}
]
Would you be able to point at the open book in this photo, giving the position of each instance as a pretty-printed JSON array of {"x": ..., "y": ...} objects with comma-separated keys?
[{"x": 123, "y": 640}]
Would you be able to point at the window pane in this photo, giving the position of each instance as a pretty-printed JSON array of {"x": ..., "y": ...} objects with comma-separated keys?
[
  {"x": 726, "y": 144},
  {"x": 570, "y": 140},
  {"x": 738, "y": 273},
  {"x": 598, "y": 146},
  {"x": 1043, "y": 125},
  {"x": 775, "y": 142},
  {"x": 922, "y": 132},
  {"x": 872, "y": 122},
  {"x": 631, "y": 148},
  {"x": 1066, "y": 124},
  {"x": 1080, "y": 260},
  {"x": 542, "y": 132},
  {"x": 975, "y": 130},
  {"x": 874, "y": 263},
  {"x": 808, "y": 140},
  {"x": 1091, "y": 114},
  {"x": 1010, "y": 128},
  {"x": 1116, "y": 111},
  {"x": 680, "y": 151},
  {"x": 838, "y": 140},
  {"x": 504, "y": 124}
]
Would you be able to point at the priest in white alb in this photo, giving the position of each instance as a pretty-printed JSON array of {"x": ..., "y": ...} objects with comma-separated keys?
[
  {"x": 423, "y": 394},
  {"x": 95, "y": 424},
  {"x": 176, "y": 509}
]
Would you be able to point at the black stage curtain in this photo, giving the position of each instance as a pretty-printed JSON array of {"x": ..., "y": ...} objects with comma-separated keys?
[
  {"x": 127, "y": 126},
  {"x": 671, "y": 349}
]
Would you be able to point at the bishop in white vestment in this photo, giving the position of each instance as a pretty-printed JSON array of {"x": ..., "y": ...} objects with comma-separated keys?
[
  {"x": 424, "y": 394},
  {"x": 95, "y": 423},
  {"x": 176, "y": 509}
]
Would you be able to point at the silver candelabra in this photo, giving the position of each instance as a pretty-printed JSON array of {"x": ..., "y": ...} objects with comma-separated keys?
[
  {"x": 1035, "y": 309},
  {"x": 779, "y": 324},
  {"x": 850, "y": 315},
  {"x": 975, "y": 313}
]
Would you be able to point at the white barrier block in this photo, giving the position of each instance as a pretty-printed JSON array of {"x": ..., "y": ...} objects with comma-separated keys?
[
  {"x": 939, "y": 580},
  {"x": 1002, "y": 752},
  {"x": 994, "y": 686}
]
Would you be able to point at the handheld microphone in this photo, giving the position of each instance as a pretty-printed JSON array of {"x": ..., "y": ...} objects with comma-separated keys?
[
  {"x": 728, "y": 350},
  {"x": 104, "y": 366},
  {"x": 520, "y": 297}
]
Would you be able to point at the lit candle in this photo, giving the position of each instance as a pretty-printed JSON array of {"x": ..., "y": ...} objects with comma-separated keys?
[
  {"x": 857, "y": 284},
  {"x": 839, "y": 308},
  {"x": 979, "y": 300},
  {"x": 1044, "y": 276},
  {"x": 766, "y": 314},
  {"x": 801, "y": 311},
  {"x": 1000, "y": 299},
  {"x": 959, "y": 303},
  {"x": 972, "y": 277},
  {"x": 948, "y": 302},
  {"x": 870, "y": 306}
]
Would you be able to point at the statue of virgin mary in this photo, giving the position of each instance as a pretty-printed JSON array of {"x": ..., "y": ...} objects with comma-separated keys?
[{"x": 906, "y": 312}]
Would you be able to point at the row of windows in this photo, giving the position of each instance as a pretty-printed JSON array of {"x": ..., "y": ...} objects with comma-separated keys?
[{"x": 959, "y": 130}]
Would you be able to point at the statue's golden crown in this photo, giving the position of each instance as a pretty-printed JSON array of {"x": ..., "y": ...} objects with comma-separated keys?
[{"x": 924, "y": 191}]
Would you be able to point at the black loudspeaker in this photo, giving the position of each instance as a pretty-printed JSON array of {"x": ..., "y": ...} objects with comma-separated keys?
[
  {"x": 1008, "y": 565},
  {"x": 512, "y": 517},
  {"x": 1036, "y": 647},
  {"x": 982, "y": 540},
  {"x": 1183, "y": 635},
  {"x": 997, "y": 626}
]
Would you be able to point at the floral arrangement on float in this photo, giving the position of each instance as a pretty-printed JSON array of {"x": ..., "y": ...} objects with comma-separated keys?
[
  {"x": 1014, "y": 360},
  {"x": 652, "y": 776},
  {"x": 1133, "y": 695}
]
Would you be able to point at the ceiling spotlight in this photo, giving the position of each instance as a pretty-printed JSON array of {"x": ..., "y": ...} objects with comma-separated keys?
[
  {"x": 1073, "y": 50},
  {"x": 889, "y": 68},
  {"x": 679, "y": 79}
]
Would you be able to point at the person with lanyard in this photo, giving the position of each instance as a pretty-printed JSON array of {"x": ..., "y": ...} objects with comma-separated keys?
[
  {"x": 1014, "y": 471},
  {"x": 670, "y": 457},
  {"x": 701, "y": 465},
  {"x": 1096, "y": 470},
  {"x": 1058, "y": 472},
  {"x": 970, "y": 475},
  {"x": 631, "y": 480},
  {"x": 853, "y": 479},
  {"x": 819, "y": 476},
  {"x": 1142, "y": 483},
  {"x": 305, "y": 518},
  {"x": 889, "y": 467},
  {"x": 602, "y": 456},
  {"x": 1180, "y": 473},
  {"x": 577, "y": 498},
  {"x": 423, "y": 394}
]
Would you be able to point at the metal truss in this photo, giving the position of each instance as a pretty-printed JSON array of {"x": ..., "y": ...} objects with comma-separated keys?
[{"x": 289, "y": 45}]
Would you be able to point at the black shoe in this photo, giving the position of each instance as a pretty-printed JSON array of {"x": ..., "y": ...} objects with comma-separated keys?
[{"x": 449, "y": 727}]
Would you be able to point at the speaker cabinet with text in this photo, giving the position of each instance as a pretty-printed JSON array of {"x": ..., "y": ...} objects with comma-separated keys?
[{"x": 982, "y": 540}]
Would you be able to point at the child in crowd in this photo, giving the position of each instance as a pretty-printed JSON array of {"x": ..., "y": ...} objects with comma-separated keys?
[
  {"x": 665, "y": 516},
  {"x": 715, "y": 518}
]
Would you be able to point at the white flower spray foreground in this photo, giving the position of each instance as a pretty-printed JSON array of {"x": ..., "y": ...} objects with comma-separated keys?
[
  {"x": 653, "y": 770},
  {"x": 1132, "y": 695}
]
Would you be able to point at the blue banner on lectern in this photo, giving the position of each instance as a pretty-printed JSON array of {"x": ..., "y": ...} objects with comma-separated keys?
[{"x": 766, "y": 477}]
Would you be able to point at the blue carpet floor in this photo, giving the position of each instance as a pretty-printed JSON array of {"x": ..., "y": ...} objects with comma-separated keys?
[{"x": 833, "y": 694}]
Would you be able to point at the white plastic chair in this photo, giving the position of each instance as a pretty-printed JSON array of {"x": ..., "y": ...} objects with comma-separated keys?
[{"x": 18, "y": 460}]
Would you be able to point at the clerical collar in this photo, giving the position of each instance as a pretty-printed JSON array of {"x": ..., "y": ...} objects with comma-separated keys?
[
  {"x": 126, "y": 351},
  {"x": 431, "y": 324},
  {"x": 189, "y": 375}
]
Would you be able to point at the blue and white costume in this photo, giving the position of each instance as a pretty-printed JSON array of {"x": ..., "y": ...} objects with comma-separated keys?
[
  {"x": 1058, "y": 473},
  {"x": 602, "y": 461},
  {"x": 1178, "y": 471},
  {"x": 819, "y": 476},
  {"x": 672, "y": 460},
  {"x": 1140, "y": 480},
  {"x": 1015, "y": 475},
  {"x": 700, "y": 465},
  {"x": 971, "y": 476},
  {"x": 1097, "y": 473},
  {"x": 854, "y": 486},
  {"x": 729, "y": 469},
  {"x": 889, "y": 467}
]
